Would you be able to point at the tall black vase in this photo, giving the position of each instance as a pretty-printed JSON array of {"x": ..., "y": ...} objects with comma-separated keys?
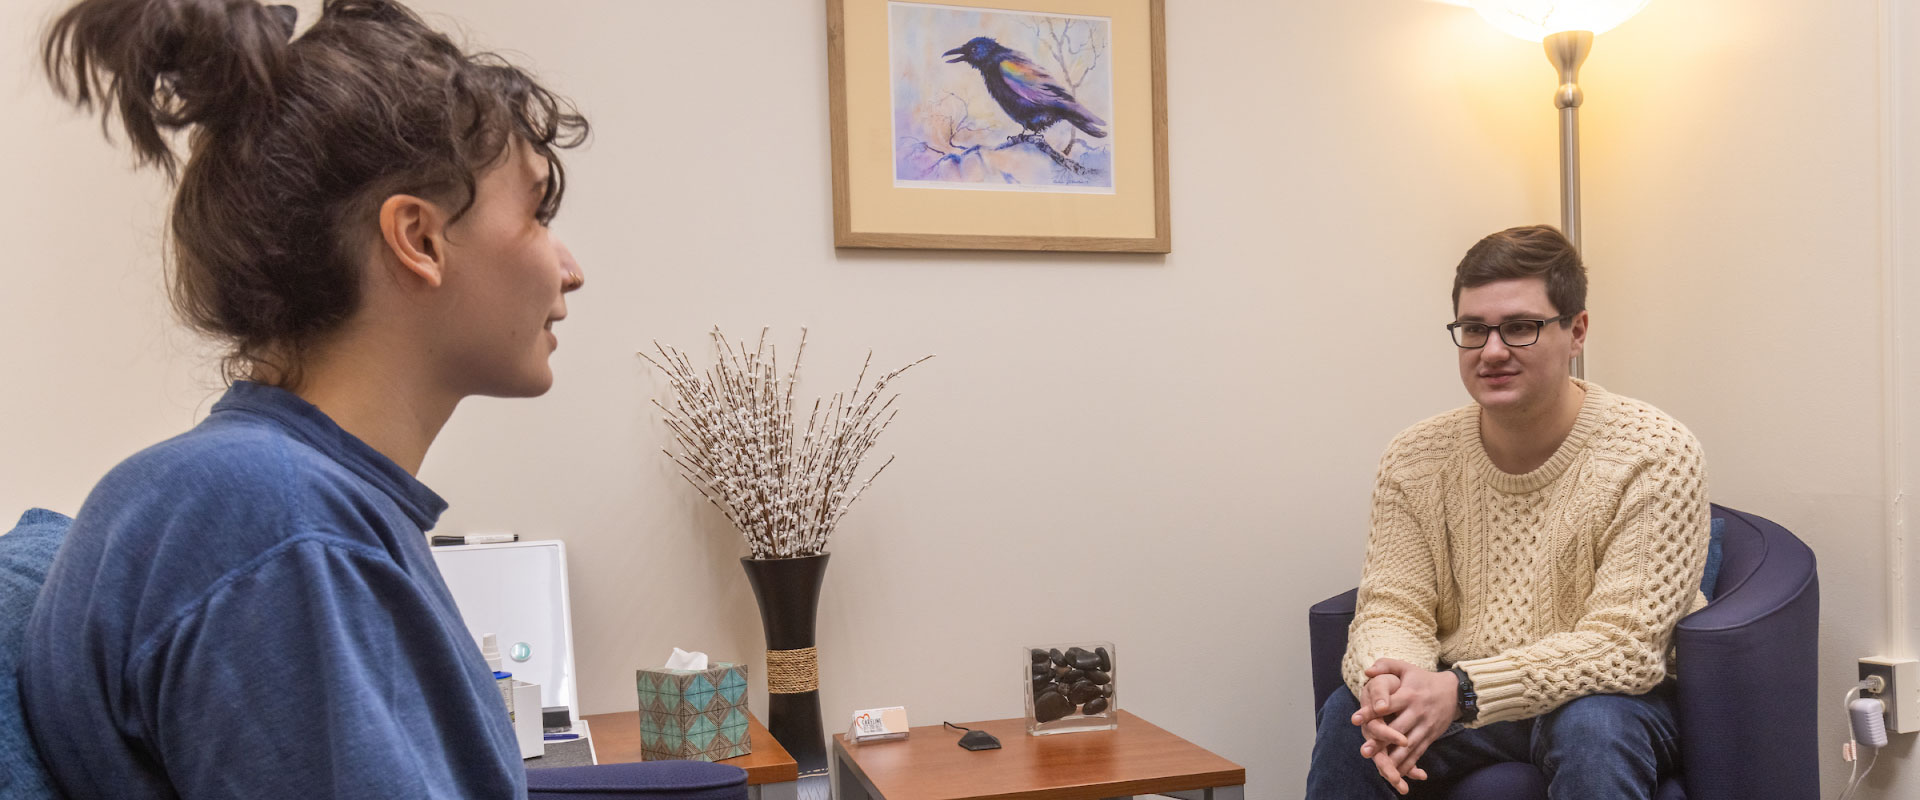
[{"x": 788, "y": 590}]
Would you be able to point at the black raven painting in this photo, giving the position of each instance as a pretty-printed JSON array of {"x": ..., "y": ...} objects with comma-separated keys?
[{"x": 1026, "y": 92}]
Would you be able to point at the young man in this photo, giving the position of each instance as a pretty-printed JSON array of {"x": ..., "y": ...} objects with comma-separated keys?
[{"x": 1529, "y": 557}]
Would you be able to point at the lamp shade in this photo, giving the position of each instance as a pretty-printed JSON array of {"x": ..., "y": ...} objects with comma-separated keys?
[{"x": 1537, "y": 19}]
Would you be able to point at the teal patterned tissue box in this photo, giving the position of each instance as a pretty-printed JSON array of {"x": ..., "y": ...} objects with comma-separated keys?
[{"x": 698, "y": 715}]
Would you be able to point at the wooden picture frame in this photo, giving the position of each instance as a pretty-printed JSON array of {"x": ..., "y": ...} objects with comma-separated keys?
[{"x": 929, "y": 153}]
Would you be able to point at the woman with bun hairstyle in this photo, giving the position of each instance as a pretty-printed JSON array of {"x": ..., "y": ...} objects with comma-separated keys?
[{"x": 250, "y": 609}]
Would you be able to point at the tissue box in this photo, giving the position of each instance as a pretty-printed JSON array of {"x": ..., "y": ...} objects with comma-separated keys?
[{"x": 698, "y": 715}]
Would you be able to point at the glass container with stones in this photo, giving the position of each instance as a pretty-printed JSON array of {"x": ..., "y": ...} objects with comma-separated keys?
[{"x": 1070, "y": 687}]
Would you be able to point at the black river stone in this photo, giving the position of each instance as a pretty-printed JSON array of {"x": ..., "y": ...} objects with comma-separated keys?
[
  {"x": 1075, "y": 681},
  {"x": 1050, "y": 705},
  {"x": 1082, "y": 692}
]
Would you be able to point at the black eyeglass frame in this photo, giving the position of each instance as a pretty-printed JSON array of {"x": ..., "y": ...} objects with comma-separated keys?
[{"x": 1453, "y": 330}]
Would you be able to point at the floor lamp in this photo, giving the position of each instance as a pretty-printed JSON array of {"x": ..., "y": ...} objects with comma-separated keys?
[{"x": 1566, "y": 28}]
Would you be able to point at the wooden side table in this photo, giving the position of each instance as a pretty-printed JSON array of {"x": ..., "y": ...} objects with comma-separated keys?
[
  {"x": 771, "y": 773},
  {"x": 1135, "y": 758}
]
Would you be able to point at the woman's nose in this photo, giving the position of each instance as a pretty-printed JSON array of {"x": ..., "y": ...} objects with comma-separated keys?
[{"x": 576, "y": 276}]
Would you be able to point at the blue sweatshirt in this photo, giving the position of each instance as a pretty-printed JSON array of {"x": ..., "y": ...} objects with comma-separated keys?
[{"x": 250, "y": 610}]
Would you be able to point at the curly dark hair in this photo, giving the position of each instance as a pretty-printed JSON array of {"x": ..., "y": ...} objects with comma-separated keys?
[{"x": 294, "y": 144}]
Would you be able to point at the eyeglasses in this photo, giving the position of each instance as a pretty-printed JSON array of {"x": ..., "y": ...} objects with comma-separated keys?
[{"x": 1513, "y": 332}]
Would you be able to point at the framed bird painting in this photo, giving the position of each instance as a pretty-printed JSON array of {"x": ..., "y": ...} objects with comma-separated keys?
[{"x": 999, "y": 124}]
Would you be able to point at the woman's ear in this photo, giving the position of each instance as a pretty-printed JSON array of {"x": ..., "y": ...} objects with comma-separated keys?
[{"x": 414, "y": 230}]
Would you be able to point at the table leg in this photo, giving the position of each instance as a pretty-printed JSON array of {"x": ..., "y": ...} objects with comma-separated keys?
[
  {"x": 784, "y": 790},
  {"x": 848, "y": 782}
]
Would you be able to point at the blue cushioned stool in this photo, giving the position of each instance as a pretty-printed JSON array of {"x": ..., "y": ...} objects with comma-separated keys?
[{"x": 644, "y": 780}]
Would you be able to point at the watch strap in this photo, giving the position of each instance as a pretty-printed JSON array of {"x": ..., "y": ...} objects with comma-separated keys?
[{"x": 1469, "y": 699}]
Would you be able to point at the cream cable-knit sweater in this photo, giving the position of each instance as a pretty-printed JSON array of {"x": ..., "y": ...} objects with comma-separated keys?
[{"x": 1545, "y": 587}]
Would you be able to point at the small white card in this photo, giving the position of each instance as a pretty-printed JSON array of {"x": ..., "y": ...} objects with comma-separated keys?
[
  {"x": 526, "y": 724},
  {"x": 878, "y": 724}
]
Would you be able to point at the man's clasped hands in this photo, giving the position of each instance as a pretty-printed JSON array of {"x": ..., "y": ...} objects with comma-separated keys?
[{"x": 1403, "y": 710}]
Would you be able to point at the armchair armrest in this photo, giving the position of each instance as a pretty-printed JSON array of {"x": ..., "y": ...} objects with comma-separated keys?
[
  {"x": 1327, "y": 624},
  {"x": 645, "y": 780},
  {"x": 1748, "y": 668}
]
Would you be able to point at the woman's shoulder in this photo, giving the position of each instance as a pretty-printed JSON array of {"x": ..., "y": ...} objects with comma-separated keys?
[
  {"x": 223, "y": 464},
  {"x": 173, "y": 523},
  {"x": 217, "y": 495}
]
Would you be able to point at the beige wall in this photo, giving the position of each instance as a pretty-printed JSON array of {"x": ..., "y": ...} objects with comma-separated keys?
[{"x": 1171, "y": 453}]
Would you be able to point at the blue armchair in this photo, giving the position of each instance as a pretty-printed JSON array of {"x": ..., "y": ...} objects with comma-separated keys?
[
  {"x": 1748, "y": 665},
  {"x": 27, "y": 552}
]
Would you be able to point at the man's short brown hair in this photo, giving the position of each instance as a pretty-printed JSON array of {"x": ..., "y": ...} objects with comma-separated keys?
[{"x": 1530, "y": 251}]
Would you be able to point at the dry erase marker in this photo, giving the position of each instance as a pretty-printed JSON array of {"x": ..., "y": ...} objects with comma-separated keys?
[{"x": 476, "y": 538}]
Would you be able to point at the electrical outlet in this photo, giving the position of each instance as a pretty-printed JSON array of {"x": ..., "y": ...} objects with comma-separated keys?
[{"x": 1902, "y": 695}]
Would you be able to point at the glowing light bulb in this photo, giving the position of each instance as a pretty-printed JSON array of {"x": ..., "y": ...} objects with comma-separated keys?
[{"x": 1535, "y": 20}]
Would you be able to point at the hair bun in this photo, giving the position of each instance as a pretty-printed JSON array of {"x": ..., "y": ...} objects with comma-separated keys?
[
  {"x": 168, "y": 64},
  {"x": 288, "y": 16}
]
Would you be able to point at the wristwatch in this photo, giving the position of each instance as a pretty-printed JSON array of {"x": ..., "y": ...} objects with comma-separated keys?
[{"x": 1469, "y": 700}]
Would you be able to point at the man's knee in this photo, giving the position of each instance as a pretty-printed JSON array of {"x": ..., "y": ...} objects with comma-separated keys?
[
  {"x": 1605, "y": 721},
  {"x": 1338, "y": 709},
  {"x": 1337, "y": 733},
  {"x": 1337, "y": 768}
]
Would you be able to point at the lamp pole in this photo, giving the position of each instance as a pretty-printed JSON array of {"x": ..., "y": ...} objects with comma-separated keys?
[{"x": 1567, "y": 51}]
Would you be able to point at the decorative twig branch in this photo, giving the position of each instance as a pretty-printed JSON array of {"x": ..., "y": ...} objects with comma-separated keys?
[{"x": 784, "y": 488}]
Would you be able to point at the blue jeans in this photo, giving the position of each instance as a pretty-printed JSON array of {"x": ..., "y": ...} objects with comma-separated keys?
[{"x": 1598, "y": 747}]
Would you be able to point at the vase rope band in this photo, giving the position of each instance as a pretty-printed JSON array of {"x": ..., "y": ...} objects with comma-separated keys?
[{"x": 793, "y": 671}]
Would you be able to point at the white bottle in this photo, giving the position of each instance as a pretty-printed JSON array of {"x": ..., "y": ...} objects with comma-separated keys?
[{"x": 490, "y": 649}]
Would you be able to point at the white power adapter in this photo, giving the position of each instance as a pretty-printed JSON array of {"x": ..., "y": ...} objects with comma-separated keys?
[
  {"x": 1899, "y": 690},
  {"x": 1868, "y": 716},
  {"x": 1869, "y": 721}
]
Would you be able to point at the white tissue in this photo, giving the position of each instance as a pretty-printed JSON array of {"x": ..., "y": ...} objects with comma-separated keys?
[{"x": 682, "y": 659}]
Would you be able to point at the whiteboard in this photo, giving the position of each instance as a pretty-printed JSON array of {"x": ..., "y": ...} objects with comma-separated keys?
[{"x": 518, "y": 591}]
